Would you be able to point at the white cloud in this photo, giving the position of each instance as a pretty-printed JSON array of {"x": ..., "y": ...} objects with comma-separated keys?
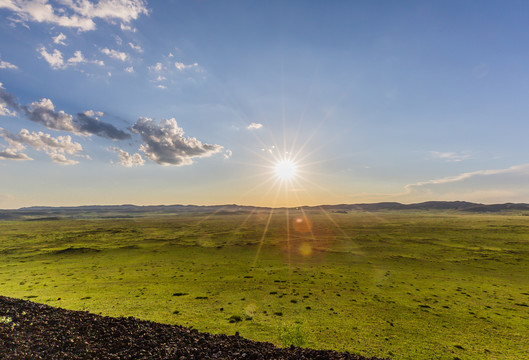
[
  {"x": 254, "y": 126},
  {"x": 181, "y": 66},
  {"x": 93, "y": 113},
  {"x": 59, "y": 39},
  {"x": 137, "y": 48},
  {"x": 450, "y": 156},
  {"x": 4, "y": 111},
  {"x": 42, "y": 12},
  {"x": 129, "y": 69},
  {"x": 124, "y": 10},
  {"x": 156, "y": 68},
  {"x": 167, "y": 69},
  {"x": 78, "y": 14},
  {"x": 227, "y": 154},
  {"x": 54, "y": 59},
  {"x": 78, "y": 58},
  {"x": 7, "y": 65},
  {"x": 160, "y": 86},
  {"x": 55, "y": 148},
  {"x": 165, "y": 143},
  {"x": 518, "y": 169},
  {"x": 11, "y": 154},
  {"x": 487, "y": 186},
  {"x": 171, "y": 55},
  {"x": 119, "y": 55},
  {"x": 127, "y": 28},
  {"x": 128, "y": 160}
]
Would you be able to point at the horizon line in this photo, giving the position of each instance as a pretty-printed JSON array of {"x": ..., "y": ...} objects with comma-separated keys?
[{"x": 260, "y": 206}]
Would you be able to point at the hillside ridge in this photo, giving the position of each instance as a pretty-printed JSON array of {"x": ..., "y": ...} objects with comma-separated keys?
[{"x": 128, "y": 210}]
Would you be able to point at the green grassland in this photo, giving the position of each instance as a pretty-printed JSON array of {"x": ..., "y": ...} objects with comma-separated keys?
[{"x": 407, "y": 285}]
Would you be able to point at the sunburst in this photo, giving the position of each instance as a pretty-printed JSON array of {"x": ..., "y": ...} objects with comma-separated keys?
[{"x": 286, "y": 169}]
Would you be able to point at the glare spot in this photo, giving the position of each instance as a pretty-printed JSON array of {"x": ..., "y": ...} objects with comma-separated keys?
[
  {"x": 285, "y": 169},
  {"x": 305, "y": 249}
]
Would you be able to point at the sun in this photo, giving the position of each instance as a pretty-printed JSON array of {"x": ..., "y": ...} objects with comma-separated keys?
[{"x": 285, "y": 169}]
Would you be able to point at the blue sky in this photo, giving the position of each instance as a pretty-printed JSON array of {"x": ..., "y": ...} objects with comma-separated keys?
[{"x": 194, "y": 102}]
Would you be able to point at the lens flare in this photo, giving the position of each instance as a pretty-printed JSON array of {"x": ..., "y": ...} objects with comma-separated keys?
[{"x": 302, "y": 225}]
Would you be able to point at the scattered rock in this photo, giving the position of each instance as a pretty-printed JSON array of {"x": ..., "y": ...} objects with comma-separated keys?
[{"x": 44, "y": 332}]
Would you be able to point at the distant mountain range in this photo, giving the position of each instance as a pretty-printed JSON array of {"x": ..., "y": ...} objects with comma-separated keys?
[
  {"x": 123, "y": 211},
  {"x": 431, "y": 205}
]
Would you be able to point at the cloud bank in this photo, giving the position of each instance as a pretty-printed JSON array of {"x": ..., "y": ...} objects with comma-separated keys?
[
  {"x": 89, "y": 124},
  {"x": 165, "y": 143},
  {"x": 79, "y": 14}
]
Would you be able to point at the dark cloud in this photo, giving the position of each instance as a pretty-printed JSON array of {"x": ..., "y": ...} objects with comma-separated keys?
[
  {"x": 92, "y": 125},
  {"x": 43, "y": 112},
  {"x": 165, "y": 144},
  {"x": 8, "y": 99}
]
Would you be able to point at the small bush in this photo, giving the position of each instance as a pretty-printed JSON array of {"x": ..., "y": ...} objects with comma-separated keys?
[
  {"x": 291, "y": 335},
  {"x": 235, "y": 319},
  {"x": 5, "y": 320}
]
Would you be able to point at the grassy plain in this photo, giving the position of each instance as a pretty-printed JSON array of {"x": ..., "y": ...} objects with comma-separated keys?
[{"x": 408, "y": 285}]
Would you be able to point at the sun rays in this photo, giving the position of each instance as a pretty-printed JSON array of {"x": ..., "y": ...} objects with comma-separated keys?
[{"x": 286, "y": 169}]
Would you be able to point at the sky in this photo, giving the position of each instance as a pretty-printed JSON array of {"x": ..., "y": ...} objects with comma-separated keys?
[{"x": 196, "y": 102}]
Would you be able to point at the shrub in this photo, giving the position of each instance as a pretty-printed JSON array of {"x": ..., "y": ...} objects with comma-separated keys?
[
  {"x": 5, "y": 320},
  {"x": 235, "y": 319},
  {"x": 291, "y": 335}
]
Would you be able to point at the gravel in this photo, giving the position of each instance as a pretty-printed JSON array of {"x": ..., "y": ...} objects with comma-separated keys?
[{"x": 34, "y": 331}]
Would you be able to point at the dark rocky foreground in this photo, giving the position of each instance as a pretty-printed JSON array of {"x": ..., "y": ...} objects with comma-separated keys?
[{"x": 34, "y": 331}]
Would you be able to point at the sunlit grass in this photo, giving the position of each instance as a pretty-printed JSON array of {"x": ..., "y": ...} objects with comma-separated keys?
[{"x": 404, "y": 285}]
